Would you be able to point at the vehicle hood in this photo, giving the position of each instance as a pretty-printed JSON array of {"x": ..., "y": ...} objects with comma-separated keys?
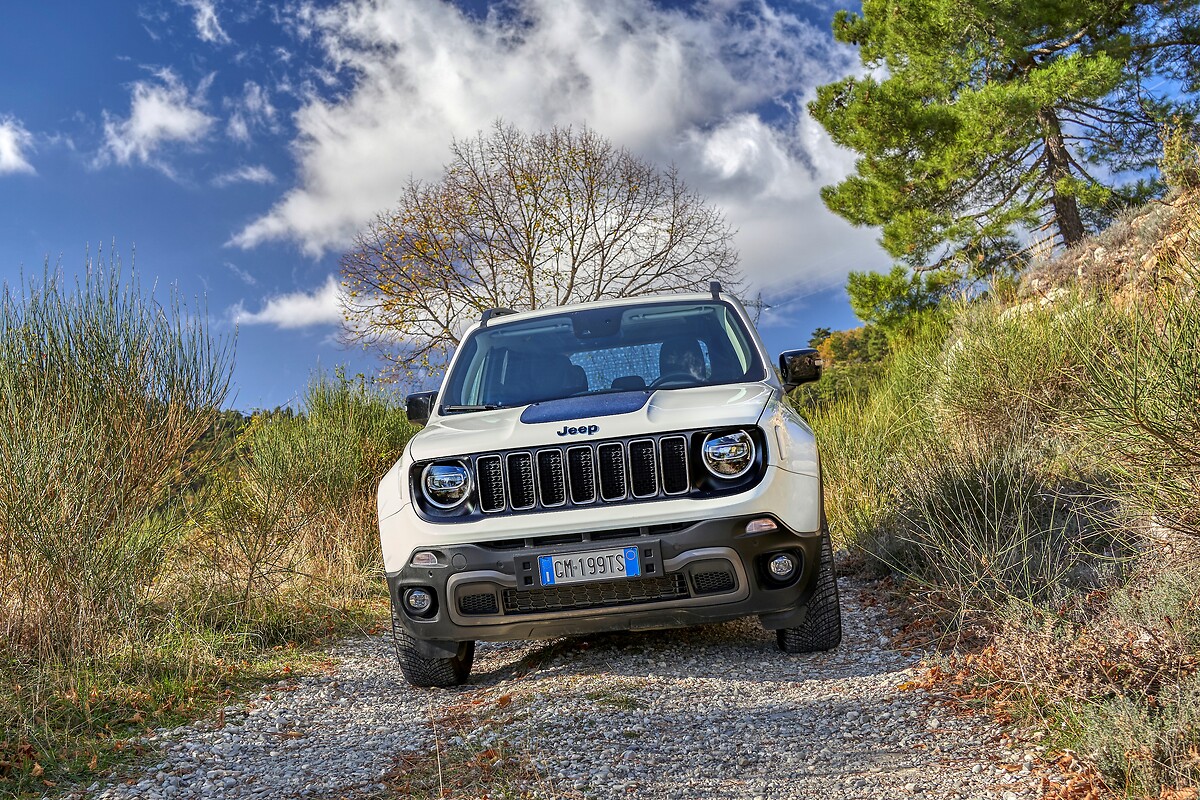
[{"x": 576, "y": 420}]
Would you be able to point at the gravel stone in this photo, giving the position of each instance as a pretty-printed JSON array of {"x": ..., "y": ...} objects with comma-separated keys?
[{"x": 714, "y": 711}]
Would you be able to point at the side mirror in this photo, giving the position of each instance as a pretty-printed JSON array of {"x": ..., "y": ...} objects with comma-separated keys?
[
  {"x": 419, "y": 406},
  {"x": 799, "y": 366}
]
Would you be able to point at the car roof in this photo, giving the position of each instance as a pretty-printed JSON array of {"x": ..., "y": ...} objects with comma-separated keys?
[{"x": 690, "y": 297}]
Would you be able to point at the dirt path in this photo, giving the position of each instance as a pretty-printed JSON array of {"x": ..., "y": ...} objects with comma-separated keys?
[{"x": 711, "y": 712}]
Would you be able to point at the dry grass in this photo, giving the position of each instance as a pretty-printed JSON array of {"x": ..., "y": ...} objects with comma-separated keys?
[
  {"x": 141, "y": 580},
  {"x": 102, "y": 392},
  {"x": 472, "y": 757}
]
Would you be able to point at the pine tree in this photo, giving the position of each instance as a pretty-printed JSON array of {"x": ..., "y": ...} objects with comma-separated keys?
[{"x": 980, "y": 120}]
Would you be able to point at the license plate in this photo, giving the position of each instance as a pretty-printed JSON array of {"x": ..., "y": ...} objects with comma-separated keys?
[{"x": 595, "y": 565}]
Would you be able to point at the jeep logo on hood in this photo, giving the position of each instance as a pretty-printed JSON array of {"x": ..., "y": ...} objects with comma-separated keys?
[{"x": 590, "y": 430}]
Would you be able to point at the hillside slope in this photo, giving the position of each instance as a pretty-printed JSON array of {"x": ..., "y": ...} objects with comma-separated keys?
[{"x": 1027, "y": 469}]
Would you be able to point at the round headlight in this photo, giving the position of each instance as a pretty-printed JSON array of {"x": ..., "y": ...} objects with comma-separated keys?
[
  {"x": 728, "y": 455},
  {"x": 446, "y": 485}
]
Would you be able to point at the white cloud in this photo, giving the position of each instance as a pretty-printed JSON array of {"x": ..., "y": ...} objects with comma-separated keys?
[
  {"x": 244, "y": 276},
  {"x": 204, "y": 16},
  {"x": 296, "y": 310},
  {"x": 252, "y": 111},
  {"x": 256, "y": 173},
  {"x": 14, "y": 142},
  {"x": 161, "y": 113},
  {"x": 717, "y": 90}
]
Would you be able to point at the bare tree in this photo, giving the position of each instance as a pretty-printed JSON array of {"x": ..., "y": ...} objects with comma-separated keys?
[{"x": 525, "y": 221}]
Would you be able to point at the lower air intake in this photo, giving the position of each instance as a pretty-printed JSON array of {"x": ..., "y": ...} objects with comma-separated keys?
[
  {"x": 713, "y": 582},
  {"x": 478, "y": 604},
  {"x": 595, "y": 595}
]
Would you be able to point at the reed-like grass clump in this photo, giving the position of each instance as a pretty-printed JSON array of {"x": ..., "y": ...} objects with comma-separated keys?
[{"x": 102, "y": 392}]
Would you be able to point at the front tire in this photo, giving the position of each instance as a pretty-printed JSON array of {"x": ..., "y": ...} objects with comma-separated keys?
[
  {"x": 822, "y": 626},
  {"x": 418, "y": 670}
]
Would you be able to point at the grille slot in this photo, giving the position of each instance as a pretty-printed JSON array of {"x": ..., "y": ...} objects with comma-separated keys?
[
  {"x": 643, "y": 468},
  {"x": 612, "y": 471},
  {"x": 552, "y": 482},
  {"x": 595, "y": 595},
  {"x": 675, "y": 479},
  {"x": 581, "y": 472},
  {"x": 521, "y": 493},
  {"x": 478, "y": 604},
  {"x": 491, "y": 483}
]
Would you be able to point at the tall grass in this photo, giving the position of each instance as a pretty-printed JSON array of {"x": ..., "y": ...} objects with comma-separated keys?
[
  {"x": 102, "y": 392},
  {"x": 293, "y": 516},
  {"x": 955, "y": 471},
  {"x": 1036, "y": 469},
  {"x": 866, "y": 434},
  {"x": 1140, "y": 393},
  {"x": 145, "y": 568}
]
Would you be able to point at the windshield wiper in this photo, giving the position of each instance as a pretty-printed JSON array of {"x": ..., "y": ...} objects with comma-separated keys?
[{"x": 482, "y": 407}]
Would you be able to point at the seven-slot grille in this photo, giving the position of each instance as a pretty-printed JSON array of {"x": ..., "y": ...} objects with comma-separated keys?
[{"x": 582, "y": 474}]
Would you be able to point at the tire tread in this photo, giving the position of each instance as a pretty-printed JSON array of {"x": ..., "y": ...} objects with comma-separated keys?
[
  {"x": 822, "y": 627},
  {"x": 418, "y": 670}
]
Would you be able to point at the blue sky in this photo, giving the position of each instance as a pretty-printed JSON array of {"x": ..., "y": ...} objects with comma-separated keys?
[{"x": 231, "y": 149}]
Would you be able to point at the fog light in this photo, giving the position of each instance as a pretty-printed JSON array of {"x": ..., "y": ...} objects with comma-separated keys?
[
  {"x": 761, "y": 525},
  {"x": 782, "y": 567},
  {"x": 418, "y": 601}
]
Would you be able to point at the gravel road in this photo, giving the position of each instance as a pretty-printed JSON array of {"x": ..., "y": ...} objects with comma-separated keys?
[{"x": 710, "y": 712}]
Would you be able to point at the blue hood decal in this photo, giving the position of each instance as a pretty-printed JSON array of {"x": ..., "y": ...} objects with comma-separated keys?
[{"x": 597, "y": 405}]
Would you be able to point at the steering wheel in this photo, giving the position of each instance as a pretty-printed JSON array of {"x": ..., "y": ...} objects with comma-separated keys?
[{"x": 672, "y": 377}]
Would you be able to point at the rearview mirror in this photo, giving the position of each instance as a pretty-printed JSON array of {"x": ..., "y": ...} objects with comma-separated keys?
[
  {"x": 419, "y": 406},
  {"x": 799, "y": 366}
]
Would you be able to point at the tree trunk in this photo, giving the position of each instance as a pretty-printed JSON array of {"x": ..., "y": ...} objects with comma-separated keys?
[{"x": 1058, "y": 168}]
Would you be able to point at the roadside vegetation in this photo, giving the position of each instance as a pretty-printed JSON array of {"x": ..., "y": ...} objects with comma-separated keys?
[
  {"x": 1017, "y": 446},
  {"x": 1023, "y": 465},
  {"x": 158, "y": 553}
]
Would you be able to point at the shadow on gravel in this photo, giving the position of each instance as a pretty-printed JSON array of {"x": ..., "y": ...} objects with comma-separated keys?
[{"x": 740, "y": 649}]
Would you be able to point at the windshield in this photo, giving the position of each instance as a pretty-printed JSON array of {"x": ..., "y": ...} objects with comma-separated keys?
[{"x": 668, "y": 345}]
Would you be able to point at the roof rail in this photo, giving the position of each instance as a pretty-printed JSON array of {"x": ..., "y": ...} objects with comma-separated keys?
[
  {"x": 715, "y": 288},
  {"x": 494, "y": 312}
]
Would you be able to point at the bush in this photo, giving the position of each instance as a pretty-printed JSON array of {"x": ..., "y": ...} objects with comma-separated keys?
[
  {"x": 1008, "y": 373},
  {"x": 985, "y": 526},
  {"x": 957, "y": 472},
  {"x": 864, "y": 436},
  {"x": 295, "y": 517},
  {"x": 102, "y": 392},
  {"x": 837, "y": 383},
  {"x": 1139, "y": 390},
  {"x": 1180, "y": 162},
  {"x": 1036, "y": 468},
  {"x": 1114, "y": 670}
]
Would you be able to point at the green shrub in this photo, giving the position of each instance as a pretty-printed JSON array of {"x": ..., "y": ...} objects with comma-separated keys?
[
  {"x": 863, "y": 437},
  {"x": 1008, "y": 373},
  {"x": 1037, "y": 468},
  {"x": 1113, "y": 674},
  {"x": 295, "y": 517},
  {"x": 957, "y": 471},
  {"x": 1180, "y": 162},
  {"x": 837, "y": 383},
  {"x": 1146, "y": 744},
  {"x": 985, "y": 526}
]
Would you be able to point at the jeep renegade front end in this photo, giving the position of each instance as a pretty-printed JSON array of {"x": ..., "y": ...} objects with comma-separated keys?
[{"x": 620, "y": 465}]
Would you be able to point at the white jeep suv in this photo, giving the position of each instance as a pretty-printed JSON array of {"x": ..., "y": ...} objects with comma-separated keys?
[{"x": 620, "y": 465}]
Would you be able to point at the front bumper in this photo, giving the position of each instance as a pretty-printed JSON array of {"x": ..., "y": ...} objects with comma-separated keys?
[{"x": 693, "y": 573}]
